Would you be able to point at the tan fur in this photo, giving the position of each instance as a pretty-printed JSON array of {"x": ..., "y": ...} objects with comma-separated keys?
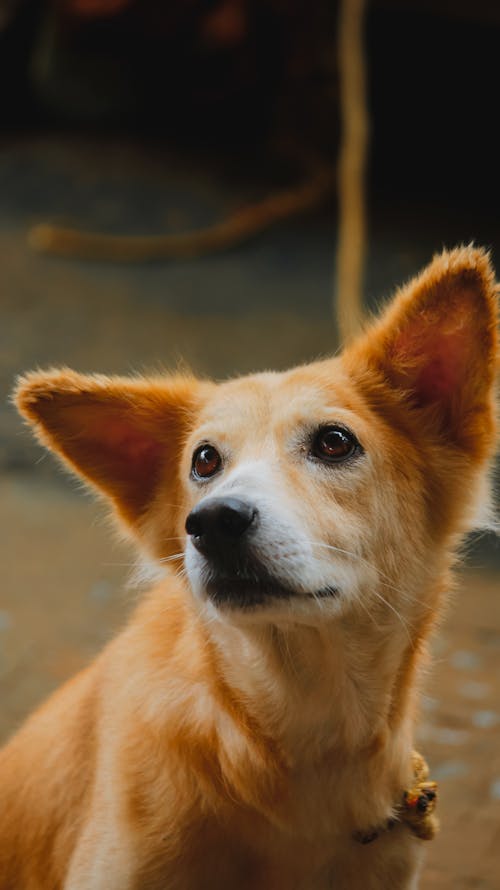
[{"x": 216, "y": 748}]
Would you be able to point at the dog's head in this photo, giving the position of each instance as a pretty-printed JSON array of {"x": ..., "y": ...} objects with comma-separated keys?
[{"x": 294, "y": 496}]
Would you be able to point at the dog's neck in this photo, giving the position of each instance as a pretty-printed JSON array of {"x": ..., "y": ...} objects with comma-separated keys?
[
  {"x": 320, "y": 688},
  {"x": 291, "y": 713},
  {"x": 337, "y": 701}
]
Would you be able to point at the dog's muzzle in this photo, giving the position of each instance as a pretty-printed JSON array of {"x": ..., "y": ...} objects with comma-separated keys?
[{"x": 224, "y": 530}]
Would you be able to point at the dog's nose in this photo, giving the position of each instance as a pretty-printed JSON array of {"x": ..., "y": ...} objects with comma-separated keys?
[{"x": 218, "y": 523}]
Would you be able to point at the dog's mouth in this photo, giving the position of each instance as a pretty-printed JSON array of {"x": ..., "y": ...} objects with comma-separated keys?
[{"x": 245, "y": 592}]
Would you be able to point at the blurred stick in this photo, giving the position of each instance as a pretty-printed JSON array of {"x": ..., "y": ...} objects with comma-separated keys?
[
  {"x": 235, "y": 229},
  {"x": 351, "y": 249}
]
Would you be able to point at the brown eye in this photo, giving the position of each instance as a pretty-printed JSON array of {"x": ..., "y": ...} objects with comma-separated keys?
[
  {"x": 334, "y": 444},
  {"x": 206, "y": 462}
]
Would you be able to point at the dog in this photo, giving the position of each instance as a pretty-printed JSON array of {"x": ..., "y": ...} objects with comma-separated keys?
[{"x": 255, "y": 718}]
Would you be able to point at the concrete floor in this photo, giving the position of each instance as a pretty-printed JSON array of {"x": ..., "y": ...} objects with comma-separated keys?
[{"x": 267, "y": 304}]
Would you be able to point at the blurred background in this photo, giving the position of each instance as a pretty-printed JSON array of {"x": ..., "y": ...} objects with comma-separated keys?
[{"x": 140, "y": 118}]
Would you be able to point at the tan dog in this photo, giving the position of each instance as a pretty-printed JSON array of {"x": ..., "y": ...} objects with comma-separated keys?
[{"x": 257, "y": 712}]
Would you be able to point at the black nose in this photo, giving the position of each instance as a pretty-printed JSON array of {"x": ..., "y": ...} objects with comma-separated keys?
[{"x": 217, "y": 523}]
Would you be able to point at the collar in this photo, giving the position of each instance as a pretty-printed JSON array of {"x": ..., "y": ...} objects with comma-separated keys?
[{"x": 414, "y": 809}]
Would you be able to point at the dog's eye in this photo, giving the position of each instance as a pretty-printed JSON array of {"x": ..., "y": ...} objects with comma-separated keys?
[
  {"x": 334, "y": 444},
  {"x": 206, "y": 462}
]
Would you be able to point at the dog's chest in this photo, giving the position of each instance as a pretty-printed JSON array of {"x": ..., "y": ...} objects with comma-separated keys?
[
  {"x": 308, "y": 846},
  {"x": 280, "y": 862}
]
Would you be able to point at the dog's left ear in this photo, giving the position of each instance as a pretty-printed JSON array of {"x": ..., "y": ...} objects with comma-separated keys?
[
  {"x": 436, "y": 348},
  {"x": 123, "y": 435}
]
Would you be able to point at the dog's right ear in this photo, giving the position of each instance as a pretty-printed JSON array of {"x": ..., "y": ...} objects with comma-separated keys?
[
  {"x": 436, "y": 348},
  {"x": 123, "y": 435}
]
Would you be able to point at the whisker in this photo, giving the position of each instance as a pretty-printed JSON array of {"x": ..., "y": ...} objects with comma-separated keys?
[
  {"x": 397, "y": 614},
  {"x": 171, "y": 558},
  {"x": 177, "y": 506},
  {"x": 319, "y": 602},
  {"x": 360, "y": 602},
  {"x": 349, "y": 553},
  {"x": 382, "y": 577},
  {"x": 375, "y": 592},
  {"x": 181, "y": 572},
  {"x": 285, "y": 650}
]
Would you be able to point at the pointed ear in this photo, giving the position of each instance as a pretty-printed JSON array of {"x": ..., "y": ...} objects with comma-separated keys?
[
  {"x": 122, "y": 435},
  {"x": 436, "y": 347}
]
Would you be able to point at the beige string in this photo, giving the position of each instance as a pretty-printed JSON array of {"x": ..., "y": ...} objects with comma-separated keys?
[
  {"x": 351, "y": 247},
  {"x": 220, "y": 236},
  {"x": 66, "y": 241}
]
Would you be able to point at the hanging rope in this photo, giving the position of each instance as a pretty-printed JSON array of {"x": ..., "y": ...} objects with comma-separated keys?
[
  {"x": 253, "y": 219},
  {"x": 351, "y": 249}
]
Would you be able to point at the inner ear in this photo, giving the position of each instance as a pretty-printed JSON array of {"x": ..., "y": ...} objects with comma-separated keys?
[
  {"x": 436, "y": 347},
  {"x": 430, "y": 355},
  {"x": 115, "y": 447},
  {"x": 123, "y": 435}
]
